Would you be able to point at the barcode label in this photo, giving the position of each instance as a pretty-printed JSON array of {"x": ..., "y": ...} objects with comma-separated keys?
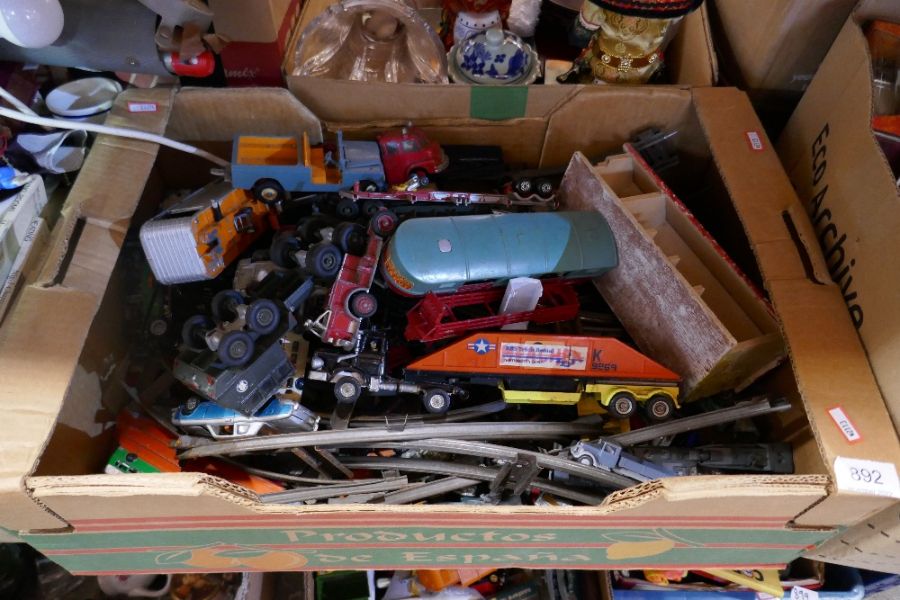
[
  {"x": 755, "y": 141},
  {"x": 844, "y": 423},
  {"x": 139, "y": 107}
]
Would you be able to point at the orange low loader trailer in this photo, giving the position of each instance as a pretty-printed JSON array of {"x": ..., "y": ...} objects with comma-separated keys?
[{"x": 592, "y": 372}]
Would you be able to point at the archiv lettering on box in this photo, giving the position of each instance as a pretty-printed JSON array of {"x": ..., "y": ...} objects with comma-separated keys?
[{"x": 832, "y": 241}]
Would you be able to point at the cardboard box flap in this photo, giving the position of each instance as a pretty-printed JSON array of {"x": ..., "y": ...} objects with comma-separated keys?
[
  {"x": 627, "y": 110},
  {"x": 723, "y": 114},
  {"x": 694, "y": 33},
  {"x": 807, "y": 302},
  {"x": 41, "y": 342},
  {"x": 872, "y": 544},
  {"x": 83, "y": 499},
  {"x": 202, "y": 116}
]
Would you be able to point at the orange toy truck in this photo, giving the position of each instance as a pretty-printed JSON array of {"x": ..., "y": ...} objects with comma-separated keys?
[{"x": 554, "y": 369}]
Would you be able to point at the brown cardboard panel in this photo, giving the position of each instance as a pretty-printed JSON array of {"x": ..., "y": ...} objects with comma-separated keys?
[
  {"x": 37, "y": 357},
  {"x": 807, "y": 307},
  {"x": 199, "y": 116},
  {"x": 241, "y": 21},
  {"x": 849, "y": 192},
  {"x": 776, "y": 45},
  {"x": 598, "y": 118},
  {"x": 833, "y": 508},
  {"x": 681, "y": 55},
  {"x": 192, "y": 494}
]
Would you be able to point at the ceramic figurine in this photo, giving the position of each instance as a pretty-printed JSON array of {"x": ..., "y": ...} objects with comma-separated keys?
[
  {"x": 625, "y": 39},
  {"x": 493, "y": 57}
]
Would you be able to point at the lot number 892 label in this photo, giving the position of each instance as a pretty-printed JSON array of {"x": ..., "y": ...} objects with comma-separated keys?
[{"x": 866, "y": 476}]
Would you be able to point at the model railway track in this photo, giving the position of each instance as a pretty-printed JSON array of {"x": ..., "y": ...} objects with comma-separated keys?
[
  {"x": 497, "y": 452},
  {"x": 369, "y": 435},
  {"x": 452, "y": 469},
  {"x": 755, "y": 407}
]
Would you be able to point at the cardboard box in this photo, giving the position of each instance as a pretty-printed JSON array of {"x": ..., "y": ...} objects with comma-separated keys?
[
  {"x": 257, "y": 34},
  {"x": 690, "y": 60},
  {"x": 850, "y": 194},
  {"x": 60, "y": 346},
  {"x": 771, "y": 48}
]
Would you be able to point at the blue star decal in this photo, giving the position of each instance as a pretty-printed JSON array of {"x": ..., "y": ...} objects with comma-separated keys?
[{"x": 481, "y": 346}]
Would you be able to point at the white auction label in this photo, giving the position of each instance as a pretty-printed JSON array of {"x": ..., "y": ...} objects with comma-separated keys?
[
  {"x": 866, "y": 476},
  {"x": 801, "y": 593}
]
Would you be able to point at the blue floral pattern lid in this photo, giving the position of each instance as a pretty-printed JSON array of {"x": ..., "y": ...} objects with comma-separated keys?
[{"x": 493, "y": 57}]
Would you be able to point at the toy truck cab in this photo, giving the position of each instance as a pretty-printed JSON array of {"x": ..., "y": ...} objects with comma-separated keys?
[
  {"x": 274, "y": 166},
  {"x": 408, "y": 151}
]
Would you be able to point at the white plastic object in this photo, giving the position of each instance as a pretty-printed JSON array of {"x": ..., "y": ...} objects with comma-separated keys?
[
  {"x": 31, "y": 23},
  {"x": 522, "y": 294},
  {"x": 117, "y": 131},
  {"x": 83, "y": 98}
]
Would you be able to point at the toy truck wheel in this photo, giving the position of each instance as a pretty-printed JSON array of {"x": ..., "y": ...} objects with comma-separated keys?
[
  {"x": 523, "y": 187},
  {"x": 421, "y": 175},
  {"x": 659, "y": 408},
  {"x": 269, "y": 191},
  {"x": 263, "y": 316},
  {"x": 224, "y": 305},
  {"x": 362, "y": 305},
  {"x": 193, "y": 332},
  {"x": 367, "y": 185},
  {"x": 586, "y": 460},
  {"x": 323, "y": 260},
  {"x": 235, "y": 349},
  {"x": 370, "y": 207},
  {"x": 622, "y": 405},
  {"x": 347, "y": 389},
  {"x": 350, "y": 237},
  {"x": 384, "y": 222},
  {"x": 436, "y": 401},
  {"x": 544, "y": 188},
  {"x": 346, "y": 208},
  {"x": 282, "y": 250}
]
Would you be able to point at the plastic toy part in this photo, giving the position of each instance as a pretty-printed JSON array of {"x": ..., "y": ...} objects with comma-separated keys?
[
  {"x": 198, "y": 237},
  {"x": 434, "y": 317},
  {"x": 441, "y": 254},
  {"x": 536, "y": 368},
  {"x": 274, "y": 166},
  {"x": 350, "y": 299},
  {"x": 610, "y": 456},
  {"x": 210, "y": 419}
]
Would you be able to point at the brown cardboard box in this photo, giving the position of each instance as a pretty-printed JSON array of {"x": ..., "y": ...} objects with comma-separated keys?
[
  {"x": 847, "y": 188},
  {"x": 690, "y": 59},
  {"x": 771, "y": 48},
  {"x": 62, "y": 342},
  {"x": 257, "y": 34}
]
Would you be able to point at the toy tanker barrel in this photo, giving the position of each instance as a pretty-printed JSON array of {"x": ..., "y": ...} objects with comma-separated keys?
[{"x": 442, "y": 253}]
